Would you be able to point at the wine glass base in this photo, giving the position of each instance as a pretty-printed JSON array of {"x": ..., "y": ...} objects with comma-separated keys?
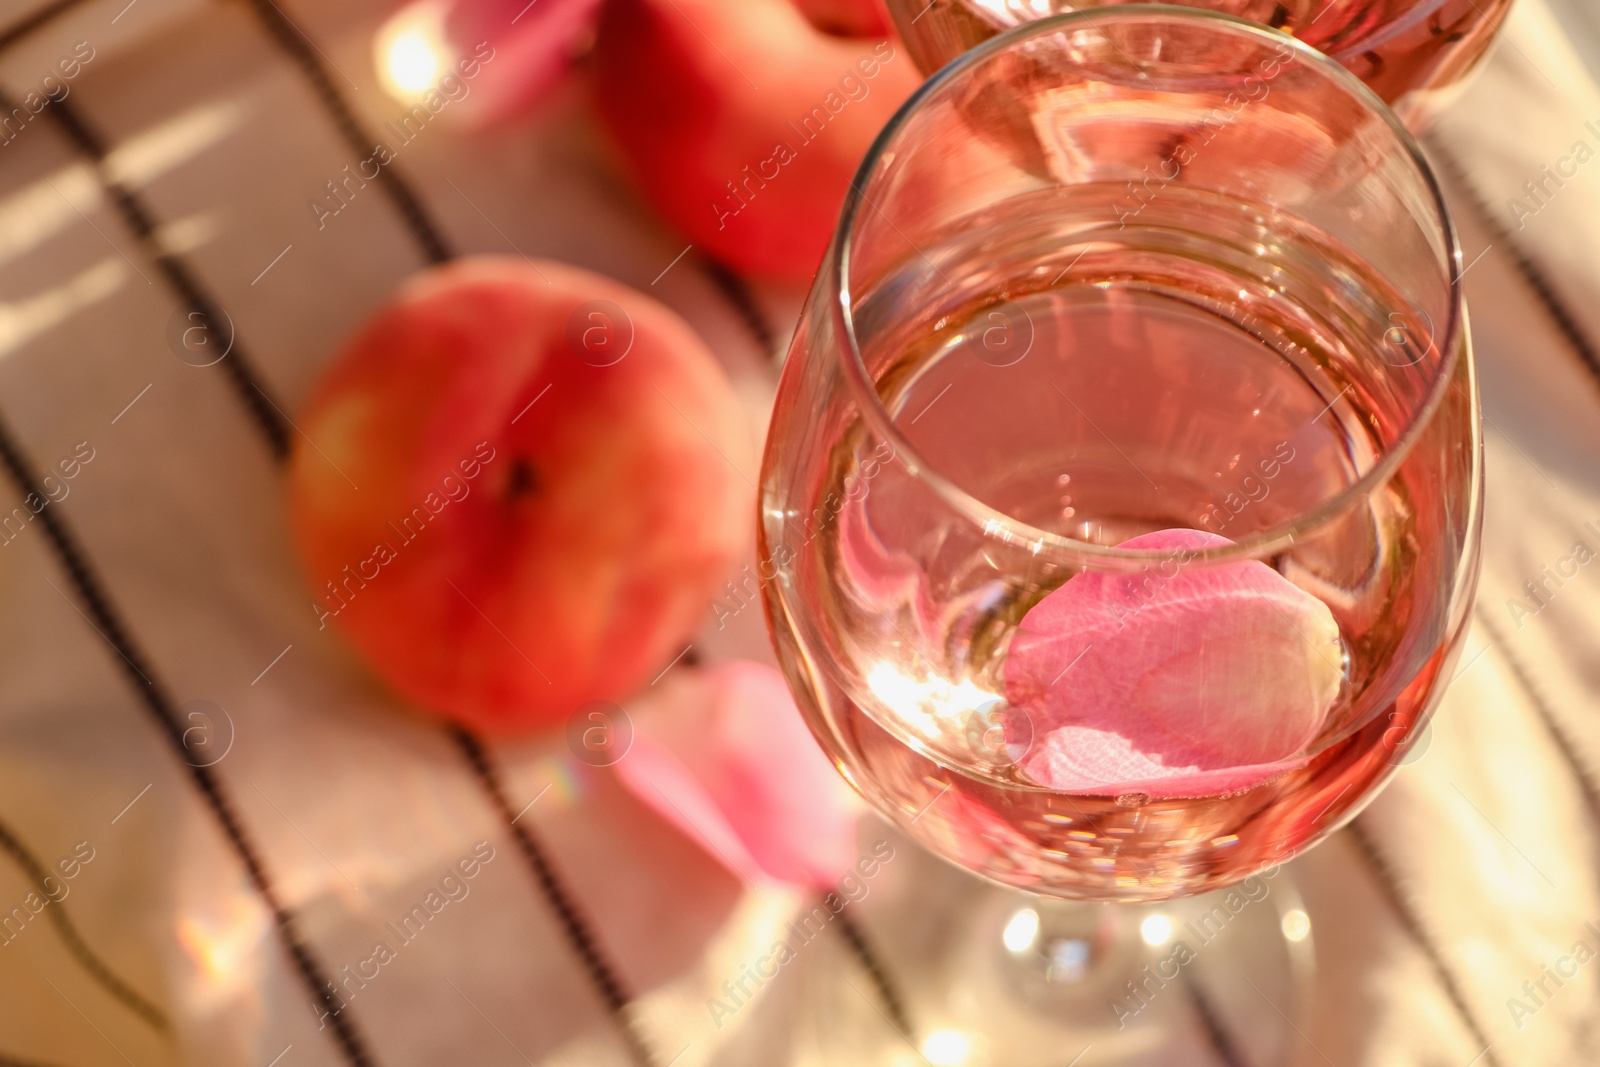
[{"x": 976, "y": 975}]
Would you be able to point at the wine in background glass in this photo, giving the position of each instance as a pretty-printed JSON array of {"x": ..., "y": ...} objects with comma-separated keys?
[
  {"x": 1122, "y": 490},
  {"x": 1407, "y": 51}
]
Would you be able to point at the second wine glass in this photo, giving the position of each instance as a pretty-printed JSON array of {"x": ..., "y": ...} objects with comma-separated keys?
[{"x": 1410, "y": 52}]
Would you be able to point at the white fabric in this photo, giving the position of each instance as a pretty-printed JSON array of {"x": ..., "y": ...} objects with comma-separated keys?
[{"x": 360, "y": 806}]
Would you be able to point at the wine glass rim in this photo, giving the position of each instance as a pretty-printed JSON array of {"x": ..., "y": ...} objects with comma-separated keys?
[{"x": 1015, "y": 531}]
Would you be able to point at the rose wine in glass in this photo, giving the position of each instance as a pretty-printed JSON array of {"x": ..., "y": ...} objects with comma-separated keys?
[
  {"x": 1408, "y": 51},
  {"x": 1178, "y": 278},
  {"x": 1201, "y": 368},
  {"x": 1123, "y": 485},
  {"x": 1122, "y": 490}
]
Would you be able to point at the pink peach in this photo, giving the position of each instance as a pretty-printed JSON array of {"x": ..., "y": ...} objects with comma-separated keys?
[{"x": 517, "y": 489}]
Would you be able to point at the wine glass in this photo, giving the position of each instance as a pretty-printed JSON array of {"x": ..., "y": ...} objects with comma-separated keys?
[
  {"x": 1120, "y": 506},
  {"x": 1408, "y": 51}
]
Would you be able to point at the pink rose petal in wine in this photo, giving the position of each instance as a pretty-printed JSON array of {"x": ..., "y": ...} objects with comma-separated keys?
[
  {"x": 877, "y": 577},
  {"x": 727, "y": 758},
  {"x": 875, "y": 569},
  {"x": 1182, "y": 681}
]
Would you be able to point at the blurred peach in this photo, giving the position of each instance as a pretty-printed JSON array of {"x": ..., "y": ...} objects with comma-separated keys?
[{"x": 744, "y": 122}]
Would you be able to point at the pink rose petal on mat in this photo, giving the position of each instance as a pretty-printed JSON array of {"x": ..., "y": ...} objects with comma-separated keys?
[
  {"x": 656, "y": 776},
  {"x": 533, "y": 47},
  {"x": 728, "y": 760},
  {"x": 1184, "y": 681}
]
